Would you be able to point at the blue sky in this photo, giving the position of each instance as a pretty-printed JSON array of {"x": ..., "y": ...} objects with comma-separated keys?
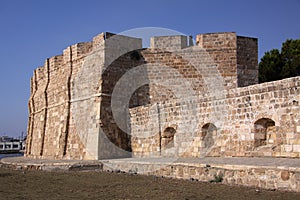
[{"x": 33, "y": 30}]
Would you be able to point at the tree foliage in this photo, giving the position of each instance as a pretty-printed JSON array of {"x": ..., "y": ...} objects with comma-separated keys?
[{"x": 276, "y": 65}]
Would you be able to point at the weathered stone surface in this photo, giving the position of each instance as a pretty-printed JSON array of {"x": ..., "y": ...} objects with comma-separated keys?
[{"x": 111, "y": 98}]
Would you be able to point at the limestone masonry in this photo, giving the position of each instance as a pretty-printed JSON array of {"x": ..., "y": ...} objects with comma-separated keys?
[{"x": 111, "y": 98}]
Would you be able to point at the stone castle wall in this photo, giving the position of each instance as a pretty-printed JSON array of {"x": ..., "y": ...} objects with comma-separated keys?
[
  {"x": 78, "y": 108},
  {"x": 237, "y": 124},
  {"x": 64, "y": 106},
  {"x": 49, "y": 104}
]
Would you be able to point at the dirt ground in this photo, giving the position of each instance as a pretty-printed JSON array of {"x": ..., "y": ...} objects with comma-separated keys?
[{"x": 103, "y": 185}]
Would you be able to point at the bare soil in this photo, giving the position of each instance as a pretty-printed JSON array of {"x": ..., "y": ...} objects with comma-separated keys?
[{"x": 103, "y": 185}]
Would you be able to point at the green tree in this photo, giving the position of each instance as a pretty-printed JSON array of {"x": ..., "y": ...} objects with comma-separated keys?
[
  {"x": 276, "y": 65},
  {"x": 290, "y": 55}
]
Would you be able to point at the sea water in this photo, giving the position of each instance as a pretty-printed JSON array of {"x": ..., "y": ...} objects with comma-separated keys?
[{"x": 11, "y": 155}]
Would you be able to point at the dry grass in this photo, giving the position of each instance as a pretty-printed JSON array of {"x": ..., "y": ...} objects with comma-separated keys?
[{"x": 101, "y": 185}]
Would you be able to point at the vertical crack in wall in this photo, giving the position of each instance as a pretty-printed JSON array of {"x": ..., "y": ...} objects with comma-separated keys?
[
  {"x": 29, "y": 129},
  {"x": 68, "y": 105},
  {"x": 31, "y": 119},
  {"x": 46, "y": 108},
  {"x": 159, "y": 127}
]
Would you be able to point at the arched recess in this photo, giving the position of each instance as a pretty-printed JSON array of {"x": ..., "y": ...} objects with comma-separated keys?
[
  {"x": 208, "y": 134},
  {"x": 167, "y": 138},
  {"x": 261, "y": 128}
]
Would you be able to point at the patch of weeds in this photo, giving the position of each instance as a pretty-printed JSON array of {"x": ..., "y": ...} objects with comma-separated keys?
[{"x": 217, "y": 179}]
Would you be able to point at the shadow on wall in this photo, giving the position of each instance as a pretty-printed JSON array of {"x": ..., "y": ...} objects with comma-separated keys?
[
  {"x": 167, "y": 138},
  {"x": 140, "y": 96},
  {"x": 261, "y": 128}
]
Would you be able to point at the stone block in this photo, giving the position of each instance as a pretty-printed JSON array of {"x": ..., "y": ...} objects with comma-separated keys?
[
  {"x": 296, "y": 148},
  {"x": 259, "y": 171},
  {"x": 298, "y": 129},
  {"x": 287, "y": 148},
  {"x": 283, "y": 185},
  {"x": 290, "y": 135}
]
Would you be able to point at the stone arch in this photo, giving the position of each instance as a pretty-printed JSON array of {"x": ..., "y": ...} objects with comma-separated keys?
[
  {"x": 271, "y": 115},
  {"x": 208, "y": 134},
  {"x": 261, "y": 128},
  {"x": 167, "y": 137}
]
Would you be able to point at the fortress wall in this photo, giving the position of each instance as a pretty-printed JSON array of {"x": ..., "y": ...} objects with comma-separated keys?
[
  {"x": 234, "y": 117},
  {"x": 38, "y": 101},
  {"x": 170, "y": 75},
  {"x": 224, "y": 50},
  {"x": 158, "y": 68},
  {"x": 113, "y": 131},
  {"x": 145, "y": 131},
  {"x": 49, "y": 113},
  {"x": 277, "y": 101},
  {"x": 192, "y": 65},
  {"x": 74, "y": 58},
  {"x": 84, "y": 108},
  {"x": 70, "y": 103},
  {"x": 166, "y": 74},
  {"x": 56, "y": 110},
  {"x": 179, "y": 73},
  {"x": 66, "y": 98},
  {"x": 113, "y": 141}
]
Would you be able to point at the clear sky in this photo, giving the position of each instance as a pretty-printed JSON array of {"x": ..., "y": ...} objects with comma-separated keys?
[{"x": 33, "y": 30}]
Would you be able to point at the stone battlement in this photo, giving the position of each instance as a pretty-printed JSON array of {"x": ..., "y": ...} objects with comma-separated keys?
[{"x": 171, "y": 43}]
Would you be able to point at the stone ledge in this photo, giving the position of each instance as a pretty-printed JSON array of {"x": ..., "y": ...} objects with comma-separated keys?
[
  {"x": 267, "y": 173},
  {"x": 22, "y": 163}
]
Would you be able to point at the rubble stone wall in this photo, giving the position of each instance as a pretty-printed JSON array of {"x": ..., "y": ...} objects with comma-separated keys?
[
  {"x": 267, "y": 177},
  {"x": 236, "y": 118}
]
